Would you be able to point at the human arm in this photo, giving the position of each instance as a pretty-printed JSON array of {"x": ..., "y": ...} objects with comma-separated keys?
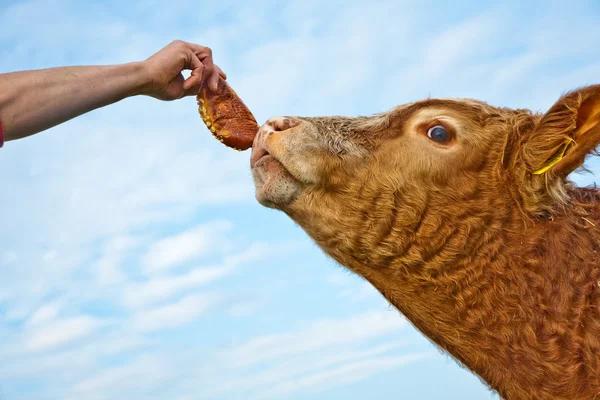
[{"x": 33, "y": 101}]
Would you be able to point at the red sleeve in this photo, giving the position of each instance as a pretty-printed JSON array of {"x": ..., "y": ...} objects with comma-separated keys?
[{"x": 1, "y": 135}]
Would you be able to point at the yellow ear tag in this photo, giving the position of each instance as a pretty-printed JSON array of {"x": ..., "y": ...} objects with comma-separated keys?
[{"x": 554, "y": 160}]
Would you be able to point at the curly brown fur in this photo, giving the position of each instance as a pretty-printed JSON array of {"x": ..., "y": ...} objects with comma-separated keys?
[{"x": 495, "y": 264}]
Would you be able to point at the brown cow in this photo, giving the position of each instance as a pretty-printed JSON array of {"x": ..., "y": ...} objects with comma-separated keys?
[{"x": 462, "y": 216}]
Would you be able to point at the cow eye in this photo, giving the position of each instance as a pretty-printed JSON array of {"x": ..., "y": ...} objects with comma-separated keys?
[{"x": 439, "y": 134}]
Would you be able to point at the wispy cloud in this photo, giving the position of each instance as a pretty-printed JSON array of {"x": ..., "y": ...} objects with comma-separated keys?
[
  {"x": 107, "y": 269},
  {"x": 162, "y": 287},
  {"x": 44, "y": 314},
  {"x": 186, "y": 246},
  {"x": 305, "y": 369},
  {"x": 172, "y": 315},
  {"x": 317, "y": 335},
  {"x": 349, "y": 373},
  {"x": 60, "y": 332},
  {"x": 156, "y": 289}
]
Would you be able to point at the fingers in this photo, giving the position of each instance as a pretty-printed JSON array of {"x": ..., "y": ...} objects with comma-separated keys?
[
  {"x": 213, "y": 80},
  {"x": 211, "y": 70},
  {"x": 193, "y": 83},
  {"x": 221, "y": 73},
  {"x": 192, "y": 89},
  {"x": 198, "y": 71},
  {"x": 201, "y": 51},
  {"x": 204, "y": 55},
  {"x": 167, "y": 64}
]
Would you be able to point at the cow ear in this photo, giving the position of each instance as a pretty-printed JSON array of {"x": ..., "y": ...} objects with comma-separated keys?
[
  {"x": 557, "y": 146},
  {"x": 565, "y": 135}
]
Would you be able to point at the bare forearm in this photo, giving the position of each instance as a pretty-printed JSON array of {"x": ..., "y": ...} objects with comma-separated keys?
[{"x": 33, "y": 101}]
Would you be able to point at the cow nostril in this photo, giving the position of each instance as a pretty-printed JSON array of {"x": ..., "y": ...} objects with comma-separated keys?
[{"x": 283, "y": 123}]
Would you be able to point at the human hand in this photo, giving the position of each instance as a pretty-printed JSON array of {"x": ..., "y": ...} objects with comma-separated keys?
[{"x": 163, "y": 70}]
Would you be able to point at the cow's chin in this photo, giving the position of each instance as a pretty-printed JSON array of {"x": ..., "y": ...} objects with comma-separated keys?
[{"x": 275, "y": 186}]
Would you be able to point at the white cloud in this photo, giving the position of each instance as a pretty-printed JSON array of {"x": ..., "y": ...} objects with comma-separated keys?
[
  {"x": 352, "y": 287},
  {"x": 107, "y": 268},
  {"x": 296, "y": 360},
  {"x": 172, "y": 251},
  {"x": 317, "y": 335},
  {"x": 449, "y": 48},
  {"x": 60, "y": 332},
  {"x": 137, "y": 198},
  {"x": 258, "y": 251},
  {"x": 301, "y": 366},
  {"x": 161, "y": 288},
  {"x": 176, "y": 314},
  {"x": 144, "y": 374},
  {"x": 69, "y": 363},
  {"x": 45, "y": 313},
  {"x": 303, "y": 371},
  {"x": 345, "y": 374}
]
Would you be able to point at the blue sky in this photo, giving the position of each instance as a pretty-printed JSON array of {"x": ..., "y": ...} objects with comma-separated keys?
[{"x": 135, "y": 261}]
